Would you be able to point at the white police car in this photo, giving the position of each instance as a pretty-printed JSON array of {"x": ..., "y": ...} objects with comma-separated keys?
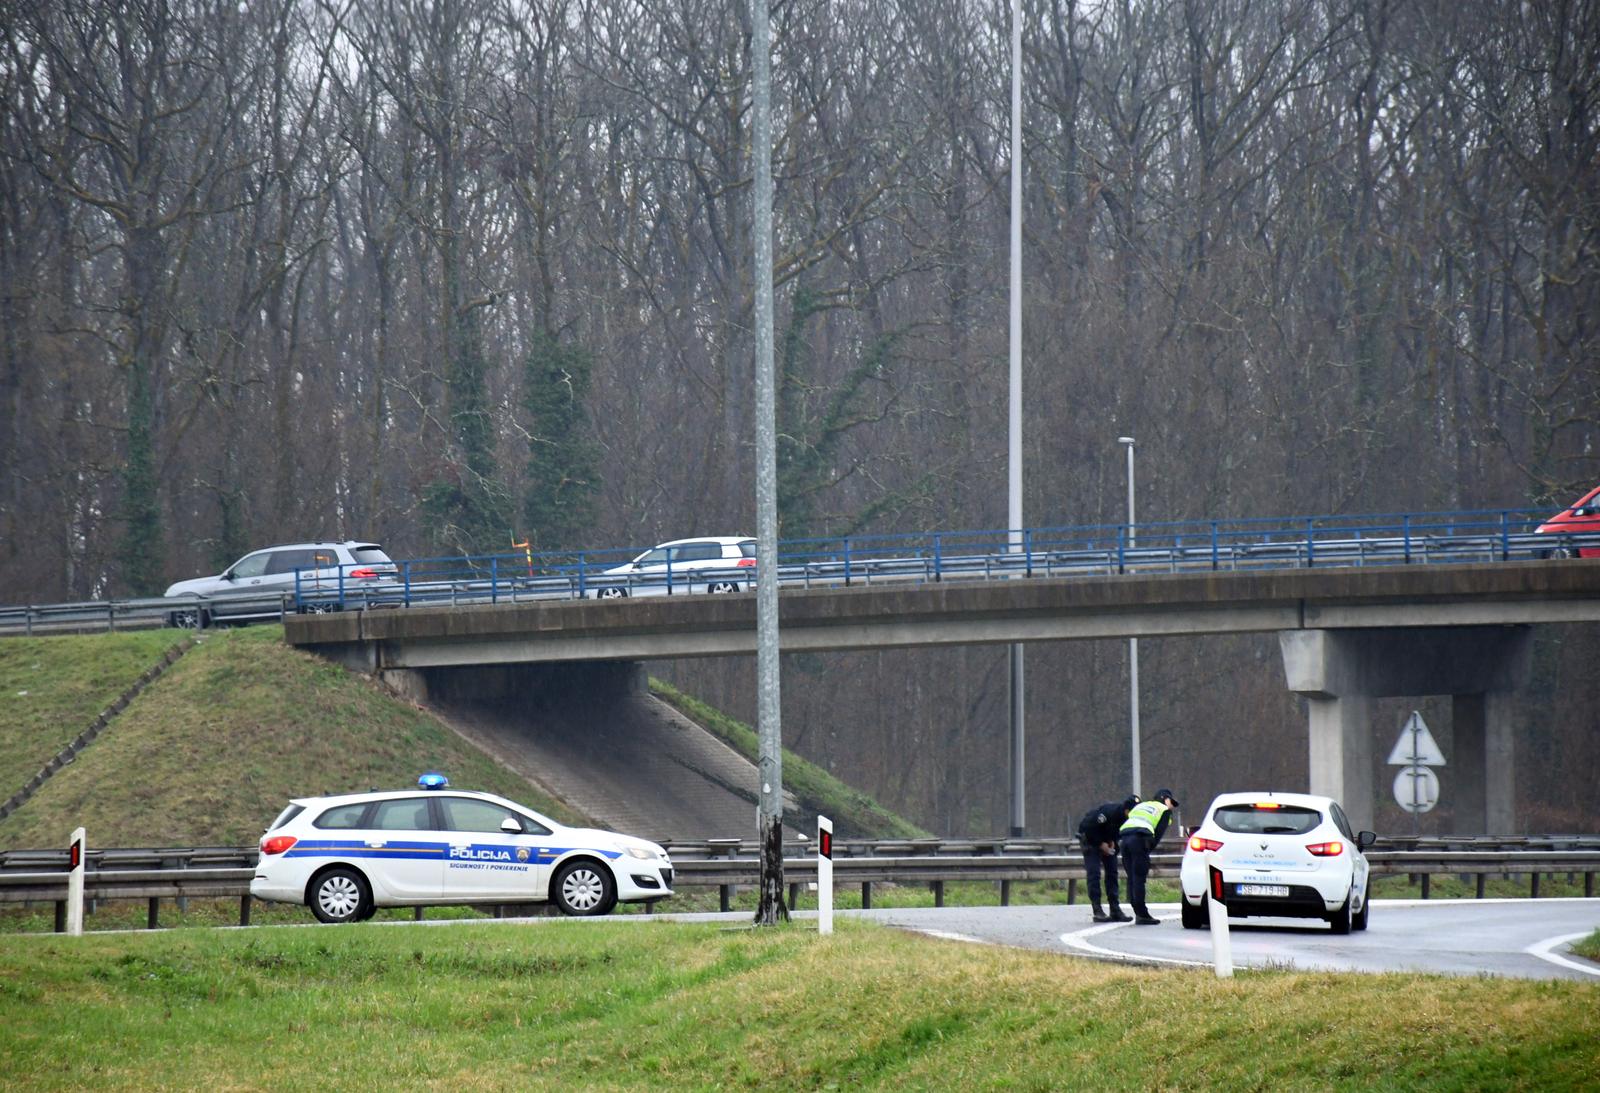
[
  {"x": 1281, "y": 855},
  {"x": 348, "y": 855}
]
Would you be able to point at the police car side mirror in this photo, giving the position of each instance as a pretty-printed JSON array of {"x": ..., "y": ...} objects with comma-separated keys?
[{"x": 510, "y": 826}]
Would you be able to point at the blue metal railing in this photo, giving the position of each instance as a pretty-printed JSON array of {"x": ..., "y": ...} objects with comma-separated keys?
[{"x": 982, "y": 554}]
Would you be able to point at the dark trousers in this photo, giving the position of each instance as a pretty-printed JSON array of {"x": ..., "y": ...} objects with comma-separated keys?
[
  {"x": 1136, "y": 860},
  {"x": 1093, "y": 860}
]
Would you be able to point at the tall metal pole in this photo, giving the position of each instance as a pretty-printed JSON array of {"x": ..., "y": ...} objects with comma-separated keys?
[
  {"x": 1133, "y": 643},
  {"x": 1014, "y": 447},
  {"x": 770, "y": 907}
]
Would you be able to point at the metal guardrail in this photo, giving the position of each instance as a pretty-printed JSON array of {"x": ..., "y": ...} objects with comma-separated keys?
[
  {"x": 1090, "y": 550},
  {"x": 729, "y": 864}
]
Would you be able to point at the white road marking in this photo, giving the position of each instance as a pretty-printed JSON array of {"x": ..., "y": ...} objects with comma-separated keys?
[
  {"x": 1079, "y": 939},
  {"x": 1541, "y": 949}
]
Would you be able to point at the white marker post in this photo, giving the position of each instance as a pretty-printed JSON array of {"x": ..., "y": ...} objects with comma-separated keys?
[
  {"x": 824, "y": 876},
  {"x": 1217, "y": 913},
  {"x": 75, "y": 884}
]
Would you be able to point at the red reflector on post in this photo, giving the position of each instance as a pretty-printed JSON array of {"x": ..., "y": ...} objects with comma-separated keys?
[
  {"x": 74, "y": 856},
  {"x": 277, "y": 844},
  {"x": 826, "y": 849}
]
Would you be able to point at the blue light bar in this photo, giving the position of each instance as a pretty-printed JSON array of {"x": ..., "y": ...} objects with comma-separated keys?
[{"x": 433, "y": 780}]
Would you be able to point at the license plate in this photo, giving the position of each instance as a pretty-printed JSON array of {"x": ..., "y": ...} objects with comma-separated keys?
[{"x": 1263, "y": 889}]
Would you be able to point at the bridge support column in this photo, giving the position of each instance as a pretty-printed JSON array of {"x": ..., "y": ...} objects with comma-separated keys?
[
  {"x": 1339, "y": 672},
  {"x": 1341, "y": 753},
  {"x": 1485, "y": 764}
]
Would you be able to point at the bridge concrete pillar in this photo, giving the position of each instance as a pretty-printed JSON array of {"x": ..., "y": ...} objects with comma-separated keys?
[{"x": 1339, "y": 672}]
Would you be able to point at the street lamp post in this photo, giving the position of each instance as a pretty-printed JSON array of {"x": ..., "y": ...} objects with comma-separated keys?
[{"x": 1133, "y": 643}]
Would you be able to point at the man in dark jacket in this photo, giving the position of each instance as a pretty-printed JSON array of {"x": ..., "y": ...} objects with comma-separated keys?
[
  {"x": 1097, "y": 835},
  {"x": 1140, "y": 833}
]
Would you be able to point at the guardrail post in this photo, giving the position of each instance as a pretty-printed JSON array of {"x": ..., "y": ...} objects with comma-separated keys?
[
  {"x": 938, "y": 892},
  {"x": 1005, "y": 893},
  {"x": 1122, "y": 544},
  {"x": 1426, "y": 877},
  {"x": 847, "y": 561},
  {"x": 1533, "y": 889},
  {"x": 1505, "y": 537},
  {"x": 1405, "y": 525},
  {"x": 725, "y": 897},
  {"x": 244, "y": 909},
  {"x": 866, "y": 895},
  {"x": 1588, "y": 886},
  {"x": 1072, "y": 891},
  {"x": 1311, "y": 544},
  {"x": 1481, "y": 879},
  {"x": 1213, "y": 544},
  {"x": 152, "y": 918},
  {"x": 494, "y": 580},
  {"x": 938, "y": 558}
]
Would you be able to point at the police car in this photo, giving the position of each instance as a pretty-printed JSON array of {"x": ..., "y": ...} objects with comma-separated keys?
[
  {"x": 1281, "y": 855},
  {"x": 348, "y": 855}
]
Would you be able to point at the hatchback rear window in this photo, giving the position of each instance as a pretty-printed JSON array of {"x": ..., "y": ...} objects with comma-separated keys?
[
  {"x": 1255, "y": 819},
  {"x": 285, "y": 816},
  {"x": 747, "y": 548},
  {"x": 370, "y": 556}
]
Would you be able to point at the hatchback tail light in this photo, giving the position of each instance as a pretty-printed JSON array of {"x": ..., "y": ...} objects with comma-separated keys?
[
  {"x": 1327, "y": 850},
  {"x": 1200, "y": 844},
  {"x": 365, "y": 573},
  {"x": 744, "y": 563},
  {"x": 277, "y": 844}
]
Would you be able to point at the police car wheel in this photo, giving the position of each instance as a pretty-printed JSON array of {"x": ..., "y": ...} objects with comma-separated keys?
[
  {"x": 584, "y": 888},
  {"x": 1340, "y": 919},
  {"x": 340, "y": 895}
]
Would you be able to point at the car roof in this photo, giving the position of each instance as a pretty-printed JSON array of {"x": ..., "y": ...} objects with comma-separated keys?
[
  {"x": 352, "y": 544},
  {"x": 725, "y": 540},
  {"x": 1305, "y": 800},
  {"x": 391, "y": 794}
]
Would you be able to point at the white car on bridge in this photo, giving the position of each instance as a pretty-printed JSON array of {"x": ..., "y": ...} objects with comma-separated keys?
[
  {"x": 345, "y": 856},
  {"x": 718, "y": 563},
  {"x": 1280, "y": 855}
]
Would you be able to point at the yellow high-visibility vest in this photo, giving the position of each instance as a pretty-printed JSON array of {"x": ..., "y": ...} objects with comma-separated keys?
[{"x": 1144, "y": 817}]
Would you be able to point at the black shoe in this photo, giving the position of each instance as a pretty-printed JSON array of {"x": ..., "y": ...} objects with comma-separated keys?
[
  {"x": 1120, "y": 916},
  {"x": 1147, "y": 920},
  {"x": 1101, "y": 916}
]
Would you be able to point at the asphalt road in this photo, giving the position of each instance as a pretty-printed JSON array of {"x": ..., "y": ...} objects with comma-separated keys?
[{"x": 1518, "y": 938}]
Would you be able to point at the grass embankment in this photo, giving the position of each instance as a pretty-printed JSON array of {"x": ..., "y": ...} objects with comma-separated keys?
[
  {"x": 52, "y": 688},
  {"x": 636, "y": 1005},
  {"x": 210, "y": 753},
  {"x": 854, "y": 814}
]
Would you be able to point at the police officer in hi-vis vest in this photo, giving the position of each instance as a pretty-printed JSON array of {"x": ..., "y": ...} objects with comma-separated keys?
[{"x": 1141, "y": 831}]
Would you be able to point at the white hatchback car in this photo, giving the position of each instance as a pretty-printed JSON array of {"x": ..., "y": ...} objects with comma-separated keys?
[
  {"x": 347, "y": 855},
  {"x": 718, "y": 563},
  {"x": 1281, "y": 855}
]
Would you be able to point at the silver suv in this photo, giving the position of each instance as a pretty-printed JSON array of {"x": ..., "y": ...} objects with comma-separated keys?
[{"x": 258, "y": 585}]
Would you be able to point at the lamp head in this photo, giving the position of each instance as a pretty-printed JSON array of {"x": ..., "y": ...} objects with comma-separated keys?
[{"x": 1128, "y": 440}]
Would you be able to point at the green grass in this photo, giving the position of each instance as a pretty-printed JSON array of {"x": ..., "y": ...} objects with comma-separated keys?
[
  {"x": 52, "y": 688},
  {"x": 854, "y": 814},
  {"x": 211, "y": 752},
  {"x": 634, "y": 1005},
  {"x": 1589, "y": 947}
]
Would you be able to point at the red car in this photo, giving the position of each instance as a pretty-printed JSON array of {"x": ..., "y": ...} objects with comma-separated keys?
[{"x": 1582, "y": 516}]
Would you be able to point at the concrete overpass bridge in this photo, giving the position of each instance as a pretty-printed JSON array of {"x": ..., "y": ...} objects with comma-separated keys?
[{"x": 1347, "y": 635}]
